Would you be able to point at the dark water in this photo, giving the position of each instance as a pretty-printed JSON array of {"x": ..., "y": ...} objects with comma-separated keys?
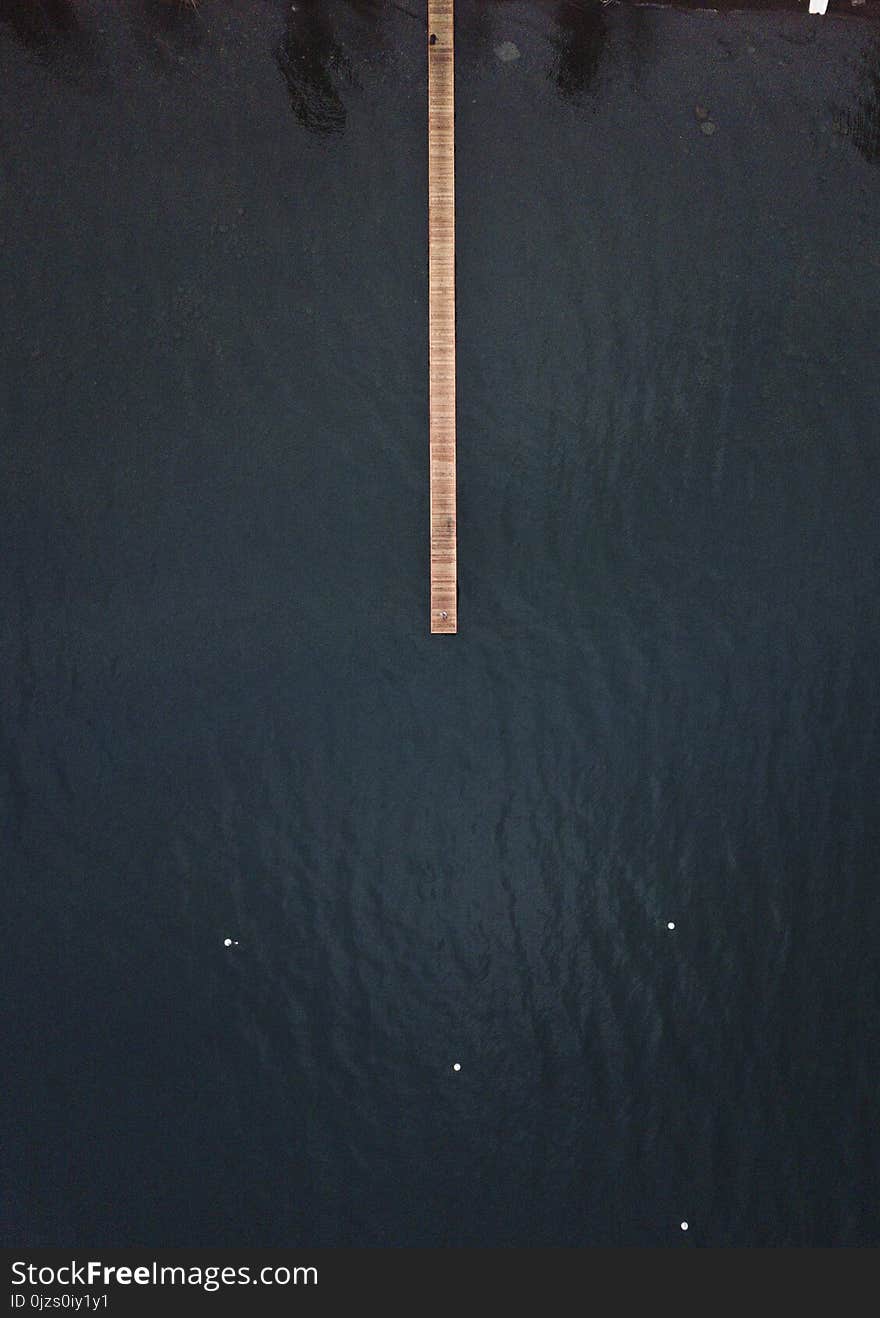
[{"x": 223, "y": 716}]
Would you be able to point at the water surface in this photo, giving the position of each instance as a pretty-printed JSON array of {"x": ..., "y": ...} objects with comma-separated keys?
[{"x": 223, "y": 715}]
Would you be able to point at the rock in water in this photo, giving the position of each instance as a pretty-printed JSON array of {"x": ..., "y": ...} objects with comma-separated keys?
[
  {"x": 708, "y": 127},
  {"x": 507, "y": 51}
]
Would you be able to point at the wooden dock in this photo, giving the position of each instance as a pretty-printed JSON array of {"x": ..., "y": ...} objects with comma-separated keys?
[{"x": 441, "y": 314}]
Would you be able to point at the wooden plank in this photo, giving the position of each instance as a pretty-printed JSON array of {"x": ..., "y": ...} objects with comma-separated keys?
[{"x": 441, "y": 314}]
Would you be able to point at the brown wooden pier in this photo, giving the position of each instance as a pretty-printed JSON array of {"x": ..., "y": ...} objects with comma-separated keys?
[{"x": 441, "y": 314}]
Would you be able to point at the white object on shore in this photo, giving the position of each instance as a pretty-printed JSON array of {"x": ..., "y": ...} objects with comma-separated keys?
[{"x": 818, "y": 6}]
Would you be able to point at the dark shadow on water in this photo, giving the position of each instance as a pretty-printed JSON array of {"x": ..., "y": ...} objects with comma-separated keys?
[
  {"x": 39, "y": 23},
  {"x": 59, "y": 41},
  {"x": 861, "y": 123},
  {"x": 583, "y": 34},
  {"x": 586, "y": 36},
  {"x": 311, "y": 61}
]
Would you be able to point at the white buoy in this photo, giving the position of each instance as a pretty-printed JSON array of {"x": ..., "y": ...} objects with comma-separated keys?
[
  {"x": 684, "y": 1226},
  {"x": 227, "y": 942},
  {"x": 670, "y": 924},
  {"x": 456, "y": 1066}
]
